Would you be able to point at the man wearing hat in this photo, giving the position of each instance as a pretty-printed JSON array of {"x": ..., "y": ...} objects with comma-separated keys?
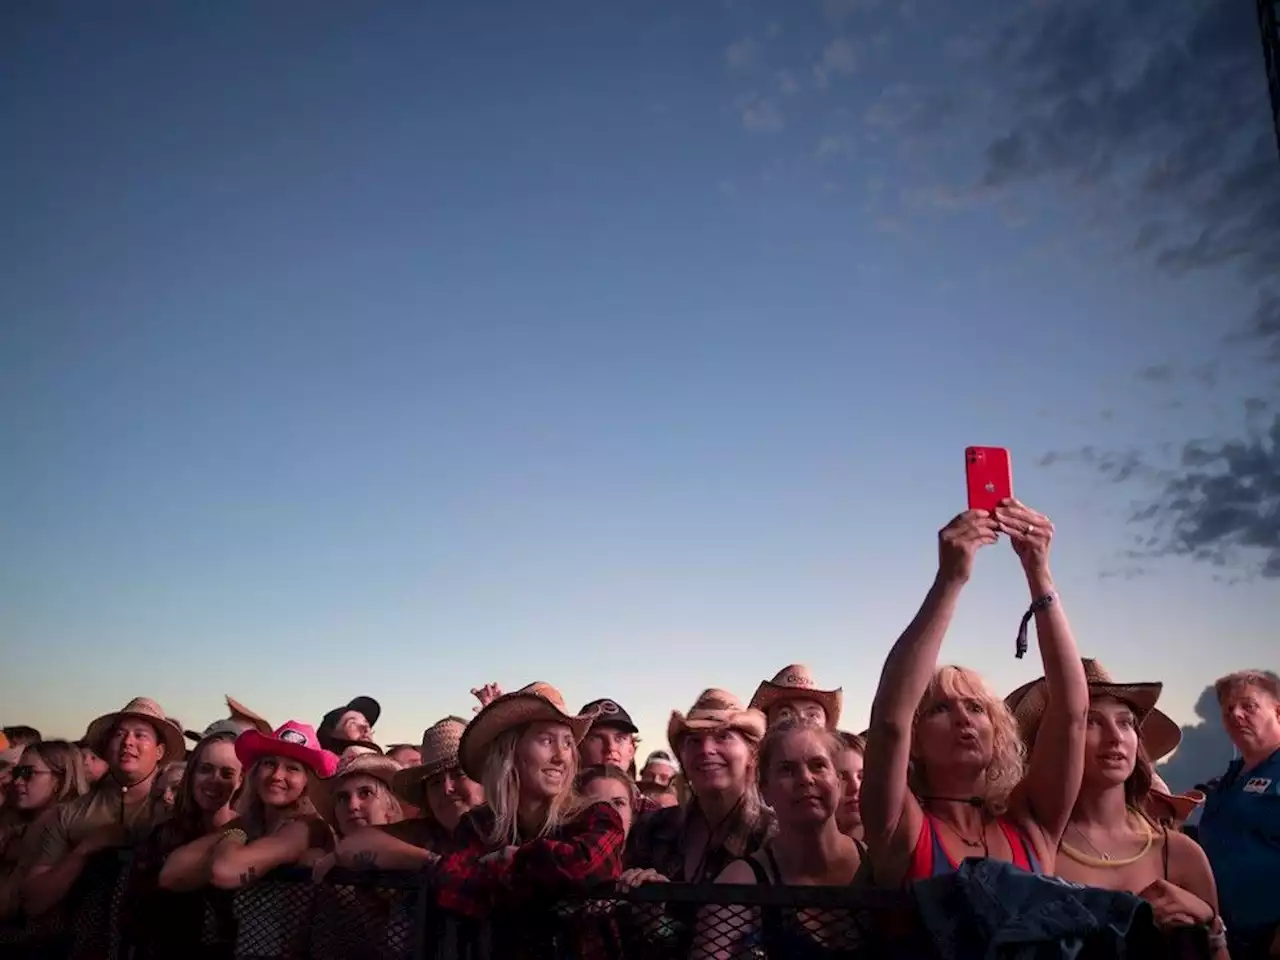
[
  {"x": 349, "y": 724},
  {"x": 611, "y": 738},
  {"x": 136, "y": 742},
  {"x": 792, "y": 693}
]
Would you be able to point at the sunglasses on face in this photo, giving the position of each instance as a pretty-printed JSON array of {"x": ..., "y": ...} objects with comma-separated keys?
[{"x": 28, "y": 772}]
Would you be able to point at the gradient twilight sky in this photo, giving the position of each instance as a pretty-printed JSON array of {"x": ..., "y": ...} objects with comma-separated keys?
[{"x": 393, "y": 348}]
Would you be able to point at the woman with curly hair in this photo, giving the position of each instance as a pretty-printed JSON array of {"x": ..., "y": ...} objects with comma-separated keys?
[{"x": 945, "y": 772}]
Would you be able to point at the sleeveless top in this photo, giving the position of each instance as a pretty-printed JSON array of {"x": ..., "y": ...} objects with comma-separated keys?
[
  {"x": 930, "y": 857},
  {"x": 782, "y": 932}
]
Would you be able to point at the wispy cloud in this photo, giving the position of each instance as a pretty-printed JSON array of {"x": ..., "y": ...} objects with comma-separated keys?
[
  {"x": 839, "y": 58},
  {"x": 787, "y": 83},
  {"x": 1158, "y": 116},
  {"x": 760, "y": 115},
  {"x": 740, "y": 55},
  {"x": 832, "y": 146}
]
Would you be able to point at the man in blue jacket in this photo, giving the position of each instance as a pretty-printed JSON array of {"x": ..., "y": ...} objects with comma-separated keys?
[{"x": 1240, "y": 827}]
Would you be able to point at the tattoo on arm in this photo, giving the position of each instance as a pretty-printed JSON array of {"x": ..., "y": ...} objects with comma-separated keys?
[
  {"x": 248, "y": 876},
  {"x": 364, "y": 860}
]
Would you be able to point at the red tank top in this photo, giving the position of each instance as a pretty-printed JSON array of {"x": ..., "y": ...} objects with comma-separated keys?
[{"x": 930, "y": 857}]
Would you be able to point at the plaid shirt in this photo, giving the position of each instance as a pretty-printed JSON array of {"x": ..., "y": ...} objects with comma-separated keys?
[
  {"x": 585, "y": 851},
  {"x": 658, "y": 839}
]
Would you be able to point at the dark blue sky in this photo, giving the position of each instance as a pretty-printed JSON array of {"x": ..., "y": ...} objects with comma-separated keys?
[{"x": 394, "y": 348}]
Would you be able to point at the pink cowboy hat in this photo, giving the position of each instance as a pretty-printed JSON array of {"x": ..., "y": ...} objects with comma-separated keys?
[{"x": 295, "y": 741}]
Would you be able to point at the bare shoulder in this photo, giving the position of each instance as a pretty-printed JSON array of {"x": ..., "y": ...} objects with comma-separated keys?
[
  {"x": 1186, "y": 856},
  {"x": 737, "y": 872},
  {"x": 1042, "y": 845}
]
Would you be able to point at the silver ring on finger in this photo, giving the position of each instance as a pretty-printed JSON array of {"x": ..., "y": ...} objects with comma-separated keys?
[{"x": 1031, "y": 528}]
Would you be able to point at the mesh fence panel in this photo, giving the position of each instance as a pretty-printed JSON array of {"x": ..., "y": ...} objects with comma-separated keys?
[
  {"x": 391, "y": 916},
  {"x": 273, "y": 918},
  {"x": 94, "y": 907},
  {"x": 366, "y": 917}
]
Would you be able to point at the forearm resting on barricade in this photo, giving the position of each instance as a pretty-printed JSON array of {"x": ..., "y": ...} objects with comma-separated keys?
[
  {"x": 48, "y": 883},
  {"x": 188, "y": 867},
  {"x": 372, "y": 849},
  {"x": 237, "y": 863}
]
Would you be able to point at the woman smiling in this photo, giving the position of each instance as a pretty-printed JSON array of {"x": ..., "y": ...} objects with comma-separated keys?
[{"x": 535, "y": 838}]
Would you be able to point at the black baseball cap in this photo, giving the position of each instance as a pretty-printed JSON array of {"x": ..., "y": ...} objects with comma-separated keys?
[
  {"x": 610, "y": 714},
  {"x": 367, "y": 707}
]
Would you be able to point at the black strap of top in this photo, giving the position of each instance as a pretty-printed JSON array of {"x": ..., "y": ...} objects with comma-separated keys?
[
  {"x": 757, "y": 868},
  {"x": 1165, "y": 853},
  {"x": 773, "y": 864}
]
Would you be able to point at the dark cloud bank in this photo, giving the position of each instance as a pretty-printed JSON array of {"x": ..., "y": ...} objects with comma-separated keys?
[
  {"x": 1161, "y": 107},
  {"x": 1205, "y": 750}
]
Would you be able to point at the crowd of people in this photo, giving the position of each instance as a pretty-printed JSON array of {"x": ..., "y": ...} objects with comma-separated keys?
[{"x": 528, "y": 800}]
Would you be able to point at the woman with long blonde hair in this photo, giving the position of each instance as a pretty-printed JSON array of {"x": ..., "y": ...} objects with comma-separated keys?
[
  {"x": 534, "y": 836},
  {"x": 277, "y": 824},
  {"x": 946, "y": 778}
]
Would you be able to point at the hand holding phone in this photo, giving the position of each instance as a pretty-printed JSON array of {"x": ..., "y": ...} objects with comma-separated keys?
[{"x": 988, "y": 476}]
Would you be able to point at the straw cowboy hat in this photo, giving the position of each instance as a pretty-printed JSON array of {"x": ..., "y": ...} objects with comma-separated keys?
[
  {"x": 294, "y": 741},
  {"x": 140, "y": 708},
  {"x": 241, "y": 719},
  {"x": 1165, "y": 805},
  {"x": 382, "y": 769},
  {"x": 439, "y": 752},
  {"x": 537, "y": 702},
  {"x": 1157, "y": 732},
  {"x": 795, "y": 682},
  {"x": 715, "y": 710}
]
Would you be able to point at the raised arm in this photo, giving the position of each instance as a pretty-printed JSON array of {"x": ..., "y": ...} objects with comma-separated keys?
[
  {"x": 1052, "y": 782},
  {"x": 890, "y": 813}
]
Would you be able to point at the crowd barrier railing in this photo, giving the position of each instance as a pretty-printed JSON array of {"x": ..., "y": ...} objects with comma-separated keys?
[{"x": 383, "y": 915}]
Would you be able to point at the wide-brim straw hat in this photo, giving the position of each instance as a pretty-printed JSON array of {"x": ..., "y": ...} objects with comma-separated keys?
[
  {"x": 382, "y": 769},
  {"x": 538, "y": 702},
  {"x": 439, "y": 752},
  {"x": 294, "y": 741},
  {"x": 1175, "y": 807},
  {"x": 140, "y": 708},
  {"x": 715, "y": 709},
  {"x": 795, "y": 682},
  {"x": 1160, "y": 736},
  {"x": 240, "y": 719}
]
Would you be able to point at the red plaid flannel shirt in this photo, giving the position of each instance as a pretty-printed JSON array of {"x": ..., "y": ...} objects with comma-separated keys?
[{"x": 585, "y": 851}]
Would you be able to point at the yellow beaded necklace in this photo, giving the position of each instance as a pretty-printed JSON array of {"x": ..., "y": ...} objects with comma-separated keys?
[{"x": 1106, "y": 861}]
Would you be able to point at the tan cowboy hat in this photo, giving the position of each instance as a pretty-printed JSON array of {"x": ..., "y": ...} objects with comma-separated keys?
[
  {"x": 1159, "y": 734},
  {"x": 537, "y": 702},
  {"x": 240, "y": 719},
  {"x": 1175, "y": 807},
  {"x": 439, "y": 752},
  {"x": 714, "y": 710},
  {"x": 795, "y": 682},
  {"x": 1164, "y": 805},
  {"x": 140, "y": 708},
  {"x": 382, "y": 769}
]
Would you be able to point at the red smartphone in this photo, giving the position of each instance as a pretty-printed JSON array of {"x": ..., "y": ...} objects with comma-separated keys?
[{"x": 988, "y": 474}]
